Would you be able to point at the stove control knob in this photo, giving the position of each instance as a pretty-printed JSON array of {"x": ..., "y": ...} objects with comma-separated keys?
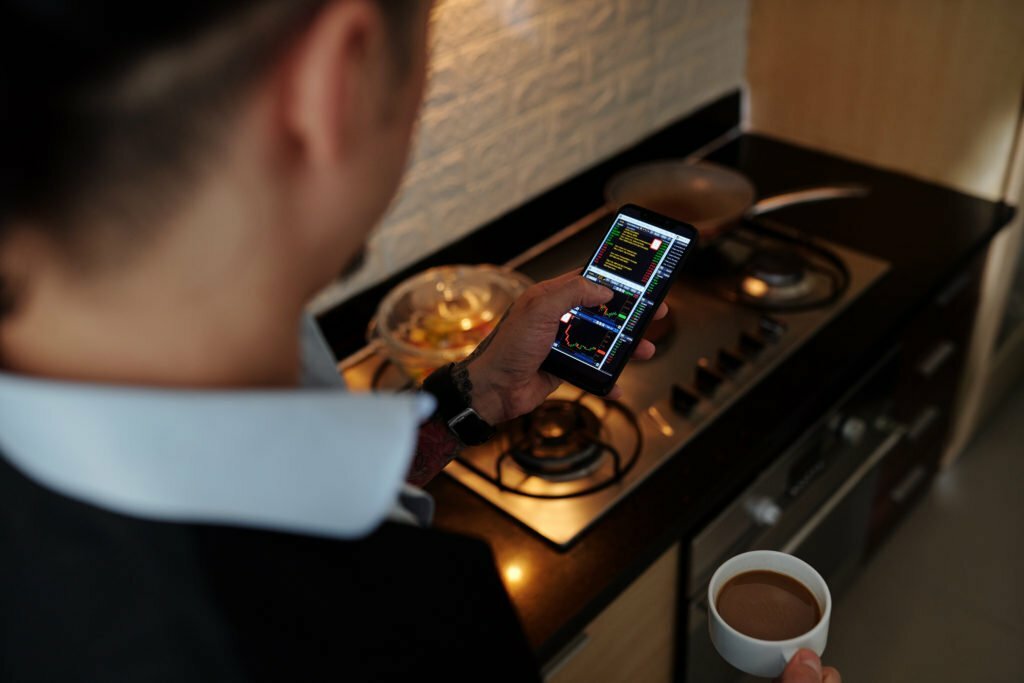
[
  {"x": 771, "y": 329},
  {"x": 684, "y": 400},
  {"x": 852, "y": 430},
  {"x": 750, "y": 345},
  {"x": 706, "y": 379},
  {"x": 764, "y": 511},
  {"x": 729, "y": 363}
]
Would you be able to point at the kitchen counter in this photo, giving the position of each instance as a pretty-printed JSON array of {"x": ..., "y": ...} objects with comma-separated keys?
[{"x": 925, "y": 231}]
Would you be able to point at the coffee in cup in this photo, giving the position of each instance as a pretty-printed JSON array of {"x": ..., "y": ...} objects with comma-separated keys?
[
  {"x": 768, "y": 605},
  {"x": 764, "y": 606}
]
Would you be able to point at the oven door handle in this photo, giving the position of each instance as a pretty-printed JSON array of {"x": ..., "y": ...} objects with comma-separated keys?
[{"x": 823, "y": 512}]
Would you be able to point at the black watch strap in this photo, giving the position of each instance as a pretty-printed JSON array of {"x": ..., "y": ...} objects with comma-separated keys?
[{"x": 454, "y": 407}]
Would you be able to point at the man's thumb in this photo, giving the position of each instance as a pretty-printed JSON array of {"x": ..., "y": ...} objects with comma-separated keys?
[
  {"x": 804, "y": 667},
  {"x": 579, "y": 291}
]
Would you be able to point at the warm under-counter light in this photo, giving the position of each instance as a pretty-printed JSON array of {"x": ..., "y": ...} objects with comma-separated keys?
[{"x": 513, "y": 573}]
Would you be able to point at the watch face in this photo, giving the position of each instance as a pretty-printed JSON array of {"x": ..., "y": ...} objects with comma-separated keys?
[{"x": 471, "y": 428}]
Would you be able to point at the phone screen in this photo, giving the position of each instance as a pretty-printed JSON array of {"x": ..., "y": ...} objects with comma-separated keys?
[{"x": 637, "y": 260}]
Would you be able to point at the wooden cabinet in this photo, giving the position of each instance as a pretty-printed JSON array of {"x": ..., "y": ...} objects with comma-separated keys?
[
  {"x": 932, "y": 89},
  {"x": 933, "y": 356},
  {"x": 633, "y": 639}
]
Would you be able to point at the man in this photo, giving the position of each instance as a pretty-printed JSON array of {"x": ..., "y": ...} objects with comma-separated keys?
[{"x": 187, "y": 492}]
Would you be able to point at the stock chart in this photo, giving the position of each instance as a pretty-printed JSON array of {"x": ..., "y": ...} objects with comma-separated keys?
[
  {"x": 584, "y": 339},
  {"x": 618, "y": 309}
]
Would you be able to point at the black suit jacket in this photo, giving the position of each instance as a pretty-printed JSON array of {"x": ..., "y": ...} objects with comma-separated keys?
[{"x": 90, "y": 595}]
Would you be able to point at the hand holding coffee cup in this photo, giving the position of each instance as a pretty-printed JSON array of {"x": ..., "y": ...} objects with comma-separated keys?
[
  {"x": 763, "y": 607},
  {"x": 805, "y": 667}
]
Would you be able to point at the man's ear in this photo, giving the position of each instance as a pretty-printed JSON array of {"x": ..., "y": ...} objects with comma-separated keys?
[{"x": 330, "y": 79}]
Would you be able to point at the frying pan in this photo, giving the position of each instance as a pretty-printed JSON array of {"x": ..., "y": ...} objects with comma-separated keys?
[{"x": 712, "y": 198}]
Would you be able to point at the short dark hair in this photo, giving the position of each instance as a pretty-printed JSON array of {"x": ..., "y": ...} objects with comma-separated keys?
[
  {"x": 79, "y": 115},
  {"x": 87, "y": 132}
]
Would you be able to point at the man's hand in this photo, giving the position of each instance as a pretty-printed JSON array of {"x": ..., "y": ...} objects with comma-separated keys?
[
  {"x": 805, "y": 667},
  {"x": 505, "y": 370}
]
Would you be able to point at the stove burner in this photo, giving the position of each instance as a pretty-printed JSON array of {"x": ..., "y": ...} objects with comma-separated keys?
[
  {"x": 561, "y": 450},
  {"x": 766, "y": 268},
  {"x": 777, "y": 267},
  {"x": 559, "y": 440},
  {"x": 776, "y": 276}
]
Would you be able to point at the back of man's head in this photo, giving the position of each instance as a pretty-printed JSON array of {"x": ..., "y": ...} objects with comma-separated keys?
[
  {"x": 111, "y": 109},
  {"x": 99, "y": 91}
]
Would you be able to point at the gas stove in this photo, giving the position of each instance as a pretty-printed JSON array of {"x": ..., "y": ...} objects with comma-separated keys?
[{"x": 743, "y": 304}]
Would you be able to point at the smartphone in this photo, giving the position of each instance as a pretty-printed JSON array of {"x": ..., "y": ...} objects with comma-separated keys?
[{"x": 638, "y": 260}]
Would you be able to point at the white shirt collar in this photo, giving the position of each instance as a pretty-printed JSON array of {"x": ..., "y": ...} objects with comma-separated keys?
[{"x": 316, "y": 460}]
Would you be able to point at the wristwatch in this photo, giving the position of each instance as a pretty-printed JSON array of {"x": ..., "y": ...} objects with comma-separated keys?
[{"x": 455, "y": 408}]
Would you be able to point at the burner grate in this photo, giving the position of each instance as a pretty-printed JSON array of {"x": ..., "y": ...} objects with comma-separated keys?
[
  {"x": 771, "y": 270},
  {"x": 559, "y": 451}
]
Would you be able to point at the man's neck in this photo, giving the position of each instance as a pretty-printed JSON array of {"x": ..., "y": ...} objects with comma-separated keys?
[
  {"x": 157, "y": 324},
  {"x": 153, "y": 345}
]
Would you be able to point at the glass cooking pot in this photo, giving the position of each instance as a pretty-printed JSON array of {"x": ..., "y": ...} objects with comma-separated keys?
[{"x": 440, "y": 315}]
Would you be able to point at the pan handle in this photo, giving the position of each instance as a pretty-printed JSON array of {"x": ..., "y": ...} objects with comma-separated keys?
[{"x": 812, "y": 194}]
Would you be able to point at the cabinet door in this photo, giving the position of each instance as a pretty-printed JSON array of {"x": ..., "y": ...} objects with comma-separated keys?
[
  {"x": 924, "y": 87},
  {"x": 633, "y": 639},
  {"x": 934, "y": 352}
]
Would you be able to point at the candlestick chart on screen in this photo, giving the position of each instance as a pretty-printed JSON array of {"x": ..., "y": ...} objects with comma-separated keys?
[
  {"x": 584, "y": 339},
  {"x": 618, "y": 309}
]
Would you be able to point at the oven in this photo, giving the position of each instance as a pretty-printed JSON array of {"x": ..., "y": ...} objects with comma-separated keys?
[{"x": 814, "y": 501}]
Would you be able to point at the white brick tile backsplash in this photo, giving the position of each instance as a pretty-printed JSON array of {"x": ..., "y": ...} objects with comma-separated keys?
[
  {"x": 498, "y": 153},
  {"x": 573, "y": 112},
  {"x": 635, "y": 10},
  {"x": 443, "y": 84},
  {"x": 491, "y": 60},
  {"x": 524, "y": 94},
  {"x": 540, "y": 171},
  {"x": 671, "y": 12},
  {"x": 544, "y": 84},
  {"x": 626, "y": 126},
  {"x": 582, "y": 20},
  {"x": 635, "y": 81}
]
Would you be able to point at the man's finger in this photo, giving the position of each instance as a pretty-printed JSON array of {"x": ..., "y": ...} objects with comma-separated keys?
[
  {"x": 553, "y": 382},
  {"x": 644, "y": 350},
  {"x": 804, "y": 667},
  {"x": 615, "y": 394},
  {"x": 562, "y": 280},
  {"x": 572, "y": 274},
  {"x": 830, "y": 675},
  {"x": 558, "y": 297}
]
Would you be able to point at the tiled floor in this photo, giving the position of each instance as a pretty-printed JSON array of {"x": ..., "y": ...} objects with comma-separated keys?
[{"x": 943, "y": 599}]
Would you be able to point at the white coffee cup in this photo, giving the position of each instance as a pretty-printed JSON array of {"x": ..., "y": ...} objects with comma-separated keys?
[{"x": 766, "y": 658}]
